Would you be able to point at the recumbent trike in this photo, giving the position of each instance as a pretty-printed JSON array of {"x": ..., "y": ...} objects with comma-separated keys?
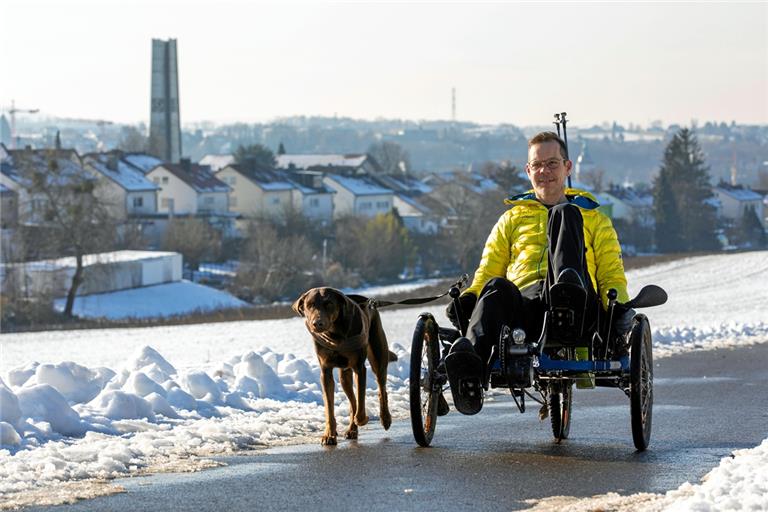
[{"x": 550, "y": 366}]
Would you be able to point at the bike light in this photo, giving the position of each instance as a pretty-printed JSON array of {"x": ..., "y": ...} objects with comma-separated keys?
[{"x": 518, "y": 336}]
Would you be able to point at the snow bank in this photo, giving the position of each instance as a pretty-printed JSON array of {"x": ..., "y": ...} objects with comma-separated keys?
[{"x": 138, "y": 399}]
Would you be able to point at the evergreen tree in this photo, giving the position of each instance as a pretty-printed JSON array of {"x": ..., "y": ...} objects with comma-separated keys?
[
  {"x": 668, "y": 230},
  {"x": 281, "y": 149},
  {"x": 684, "y": 218},
  {"x": 255, "y": 155}
]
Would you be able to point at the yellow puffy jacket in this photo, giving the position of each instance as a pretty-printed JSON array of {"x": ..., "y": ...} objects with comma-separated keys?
[{"x": 517, "y": 246}]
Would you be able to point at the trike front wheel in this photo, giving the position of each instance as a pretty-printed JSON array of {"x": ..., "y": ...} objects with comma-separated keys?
[
  {"x": 423, "y": 388},
  {"x": 559, "y": 401},
  {"x": 641, "y": 382}
]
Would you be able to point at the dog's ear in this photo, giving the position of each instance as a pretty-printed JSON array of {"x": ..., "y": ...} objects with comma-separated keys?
[
  {"x": 298, "y": 306},
  {"x": 346, "y": 307}
]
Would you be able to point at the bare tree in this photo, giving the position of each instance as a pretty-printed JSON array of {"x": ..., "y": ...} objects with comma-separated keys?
[
  {"x": 194, "y": 238},
  {"x": 272, "y": 265},
  {"x": 392, "y": 158},
  {"x": 65, "y": 205},
  {"x": 132, "y": 140},
  {"x": 594, "y": 179}
]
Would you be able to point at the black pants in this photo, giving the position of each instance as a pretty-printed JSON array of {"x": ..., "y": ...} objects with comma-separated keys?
[{"x": 501, "y": 303}]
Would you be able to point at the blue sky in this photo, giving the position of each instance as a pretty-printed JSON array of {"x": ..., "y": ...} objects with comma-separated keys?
[{"x": 509, "y": 62}]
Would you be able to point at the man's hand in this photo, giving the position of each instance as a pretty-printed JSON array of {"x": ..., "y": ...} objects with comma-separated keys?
[
  {"x": 467, "y": 303},
  {"x": 622, "y": 319}
]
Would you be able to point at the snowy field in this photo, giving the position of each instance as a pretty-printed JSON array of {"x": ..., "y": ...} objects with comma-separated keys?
[{"x": 78, "y": 408}]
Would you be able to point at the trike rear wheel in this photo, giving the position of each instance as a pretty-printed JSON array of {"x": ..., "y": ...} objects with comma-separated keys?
[
  {"x": 641, "y": 382},
  {"x": 559, "y": 402},
  {"x": 423, "y": 388}
]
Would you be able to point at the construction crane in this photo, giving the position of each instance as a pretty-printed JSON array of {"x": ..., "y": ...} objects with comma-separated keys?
[{"x": 12, "y": 112}]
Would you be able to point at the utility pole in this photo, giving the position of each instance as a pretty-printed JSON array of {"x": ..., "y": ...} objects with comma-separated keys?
[
  {"x": 453, "y": 105},
  {"x": 12, "y": 112}
]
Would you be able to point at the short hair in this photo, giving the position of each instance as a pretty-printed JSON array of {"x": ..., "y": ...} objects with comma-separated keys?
[{"x": 542, "y": 137}]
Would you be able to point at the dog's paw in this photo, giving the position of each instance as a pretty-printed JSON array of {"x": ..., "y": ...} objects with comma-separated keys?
[
  {"x": 351, "y": 434},
  {"x": 328, "y": 441},
  {"x": 386, "y": 420},
  {"x": 361, "y": 420}
]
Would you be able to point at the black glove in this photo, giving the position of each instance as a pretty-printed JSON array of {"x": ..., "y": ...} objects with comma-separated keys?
[
  {"x": 467, "y": 303},
  {"x": 622, "y": 320}
]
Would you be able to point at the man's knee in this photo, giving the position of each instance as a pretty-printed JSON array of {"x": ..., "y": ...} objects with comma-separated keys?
[
  {"x": 565, "y": 210},
  {"x": 498, "y": 284}
]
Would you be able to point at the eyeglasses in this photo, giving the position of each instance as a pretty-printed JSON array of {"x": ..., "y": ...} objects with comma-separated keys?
[{"x": 551, "y": 164}]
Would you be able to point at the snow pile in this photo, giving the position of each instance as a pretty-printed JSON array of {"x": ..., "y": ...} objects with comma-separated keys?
[
  {"x": 143, "y": 399},
  {"x": 169, "y": 299},
  {"x": 62, "y": 422},
  {"x": 738, "y": 483}
]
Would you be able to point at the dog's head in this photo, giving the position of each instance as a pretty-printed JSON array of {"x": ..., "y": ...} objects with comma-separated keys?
[{"x": 323, "y": 308}]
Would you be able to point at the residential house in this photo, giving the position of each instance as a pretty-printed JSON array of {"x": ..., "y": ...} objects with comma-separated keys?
[
  {"x": 346, "y": 164},
  {"x": 358, "y": 196},
  {"x": 420, "y": 212},
  {"x": 189, "y": 189},
  {"x": 630, "y": 204},
  {"x": 141, "y": 161},
  {"x": 256, "y": 191},
  {"x": 312, "y": 196},
  {"x": 126, "y": 190},
  {"x": 735, "y": 199},
  {"x": 16, "y": 171}
]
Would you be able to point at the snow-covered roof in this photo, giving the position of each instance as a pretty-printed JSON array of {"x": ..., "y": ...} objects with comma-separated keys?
[
  {"x": 5, "y": 190},
  {"x": 127, "y": 176},
  {"x": 309, "y": 182},
  {"x": 266, "y": 179},
  {"x": 360, "y": 186},
  {"x": 403, "y": 183},
  {"x": 740, "y": 193},
  {"x": 216, "y": 162},
  {"x": 142, "y": 161},
  {"x": 94, "y": 259},
  {"x": 196, "y": 176},
  {"x": 320, "y": 160},
  {"x": 41, "y": 160},
  {"x": 630, "y": 197}
]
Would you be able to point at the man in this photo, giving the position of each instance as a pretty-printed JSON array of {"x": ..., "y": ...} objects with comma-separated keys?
[{"x": 550, "y": 235}]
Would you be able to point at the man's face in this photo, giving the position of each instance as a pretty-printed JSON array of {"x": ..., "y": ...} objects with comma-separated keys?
[{"x": 547, "y": 171}]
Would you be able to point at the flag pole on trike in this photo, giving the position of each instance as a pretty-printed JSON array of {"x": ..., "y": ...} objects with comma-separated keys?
[{"x": 560, "y": 119}]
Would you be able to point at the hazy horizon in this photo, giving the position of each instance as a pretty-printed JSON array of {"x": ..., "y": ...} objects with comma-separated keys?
[{"x": 515, "y": 63}]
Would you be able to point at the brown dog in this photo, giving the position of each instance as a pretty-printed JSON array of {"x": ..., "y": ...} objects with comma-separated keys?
[{"x": 346, "y": 330}]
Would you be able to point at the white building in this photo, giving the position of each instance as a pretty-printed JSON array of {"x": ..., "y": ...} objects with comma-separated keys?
[
  {"x": 256, "y": 191},
  {"x": 187, "y": 188},
  {"x": 124, "y": 188},
  {"x": 735, "y": 199},
  {"x": 358, "y": 164},
  {"x": 311, "y": 196},
  {"x": 630, "y": 204},
  {"x": 358, "y": 196},
  {"x": 103, "y": 272}
]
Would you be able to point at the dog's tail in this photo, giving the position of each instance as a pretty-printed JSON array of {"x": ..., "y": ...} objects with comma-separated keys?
[{"x": 392, "y": 356}]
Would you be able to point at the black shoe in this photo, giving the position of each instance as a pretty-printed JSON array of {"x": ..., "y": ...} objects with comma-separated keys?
[
  {"x": 442, "y": 405},
  {"x": 465, "y": 373}
]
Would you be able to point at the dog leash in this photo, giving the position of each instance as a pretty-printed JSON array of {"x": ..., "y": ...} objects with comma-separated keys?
[{"x": 374, "y": 303}]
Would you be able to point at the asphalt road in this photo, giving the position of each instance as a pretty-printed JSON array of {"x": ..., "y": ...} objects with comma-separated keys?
[{"x": 707, "y": 404}]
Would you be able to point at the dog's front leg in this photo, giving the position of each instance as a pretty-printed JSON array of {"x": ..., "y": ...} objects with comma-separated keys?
[
  {"x": 360, "y": 418},
  {"x": 329, "y": 436},
  {"x": 349, "y": 390}
]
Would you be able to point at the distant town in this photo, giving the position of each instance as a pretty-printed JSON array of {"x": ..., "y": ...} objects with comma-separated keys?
[{"x": 264, "y": 210}]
